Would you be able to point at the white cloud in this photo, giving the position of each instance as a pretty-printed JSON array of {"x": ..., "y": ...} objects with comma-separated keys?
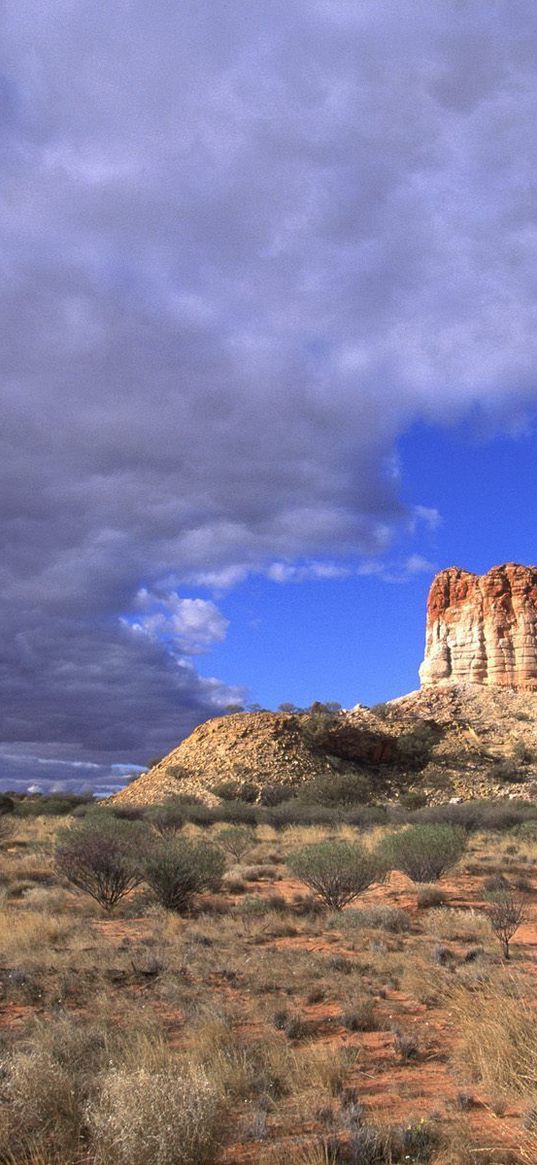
[
  {"x": 186, "y": 626},
  {"x": 418, "y": 564}
]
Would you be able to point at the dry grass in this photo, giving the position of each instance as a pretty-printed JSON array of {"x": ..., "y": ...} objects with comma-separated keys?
[
  {"x": 172, "y": 1117},
  {"x": 498, "y": 1025},
  {"x": 457, "y": 925},
  {"x": 28, "y": 934}
]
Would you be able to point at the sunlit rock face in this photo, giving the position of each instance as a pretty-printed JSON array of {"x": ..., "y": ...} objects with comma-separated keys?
[{"x": 482, "y": 629}]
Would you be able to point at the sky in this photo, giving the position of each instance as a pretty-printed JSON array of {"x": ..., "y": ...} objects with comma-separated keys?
[{"x": 268, "y": 354}]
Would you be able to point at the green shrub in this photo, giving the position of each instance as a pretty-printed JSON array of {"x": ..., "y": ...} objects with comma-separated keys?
[
  {"x": 332, "y": 789},
  {"x": 55, "y": 805},
  {"x": 166, "y": 819},
  {"x": 236, "y": 840},
  {"x": 423, "y": 852},
  {"x": 102, "y": 857},
  {"x": 236, "y": 790},
  {"x": 336, "y": 871},
  {"x": 177, "y": 869}
]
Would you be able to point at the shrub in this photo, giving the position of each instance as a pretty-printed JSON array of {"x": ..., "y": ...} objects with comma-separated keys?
[
  {"x": 167, "y": 819},
  {"x": 178, "y": 869},
  {"x": 336, "y": 871},
  {"x": 429, "y": 896},
  {"x": 294, "y": 813},
  {"x": 55, "y": 805},
  {"x": 7, "y": 804},
  {"x": 423, "y": 852},
  {"x": 166, "y": 1118},
  {"x": 236, "y": 790},
  {"x": 101, "y": 857},
  {"x": 413, "y": 799},
  {"x": 506, "y": 913},
  {"x": 237, "y": 812},
  {"x": 127, "y": 812},
  {"x": 506, "y": 770},
  {"x": 360, "y": 1017},
  {"x": 333, "y": 789},
  {"x": 236, "y": 840}
]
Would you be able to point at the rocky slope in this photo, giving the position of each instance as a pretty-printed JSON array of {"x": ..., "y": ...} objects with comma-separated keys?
[
  {"x": 482, "y": 629},
  {"x": 459, "y": 740},
  {"x": 265, "y": 748}
]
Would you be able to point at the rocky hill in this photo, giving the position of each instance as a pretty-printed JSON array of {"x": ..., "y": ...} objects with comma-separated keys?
[
  {"x": 263, "y": 749},
  {"x": 462, "y": 740}
]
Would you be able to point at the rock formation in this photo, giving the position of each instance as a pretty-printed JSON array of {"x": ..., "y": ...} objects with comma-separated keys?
[{"x": 482, "y": 629}]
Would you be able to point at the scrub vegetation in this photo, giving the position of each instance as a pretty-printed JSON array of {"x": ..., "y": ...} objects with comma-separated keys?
[{"x": 181, "y": 986}]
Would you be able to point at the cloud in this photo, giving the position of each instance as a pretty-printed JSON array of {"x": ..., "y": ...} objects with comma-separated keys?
[
  {"x": 243, "y": 248},
  {"x": 184, "y": 626},
  {"x": 417, "y": 564}
]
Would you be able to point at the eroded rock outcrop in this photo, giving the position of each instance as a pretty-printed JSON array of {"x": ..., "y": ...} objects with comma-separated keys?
[{"x": 482, "y": 629}]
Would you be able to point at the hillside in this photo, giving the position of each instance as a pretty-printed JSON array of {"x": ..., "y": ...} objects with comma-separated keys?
[{"x": 463, "y": 740}]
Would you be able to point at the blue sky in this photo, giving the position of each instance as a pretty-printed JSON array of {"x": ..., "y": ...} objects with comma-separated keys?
[
  {"x": 360, "y": 639},
  {"x": 268, "y": 314}
]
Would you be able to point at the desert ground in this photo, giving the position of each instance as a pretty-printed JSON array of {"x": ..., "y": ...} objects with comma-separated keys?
[{"x": 391, "y": 1030}]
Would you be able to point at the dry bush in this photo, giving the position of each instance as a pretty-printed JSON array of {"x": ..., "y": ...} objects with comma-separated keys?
[
  {"x": 313, "y": 1152},
  {"x": 43, "y": 1110},
  {"x": 425, "y": 983},
  {"x": 171, "y": 1117},
  {"x": 452, "y": 924},
  {"x": 101, "y": 857},
  {"x": 429, "y": 895},
  {"x": 506, "y": 913}
]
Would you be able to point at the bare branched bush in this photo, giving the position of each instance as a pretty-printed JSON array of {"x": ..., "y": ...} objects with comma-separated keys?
[
  {"x": 506, "y": 912},
  {"x": 102, "y": 857},
  {"x": 236, "y": 840}
]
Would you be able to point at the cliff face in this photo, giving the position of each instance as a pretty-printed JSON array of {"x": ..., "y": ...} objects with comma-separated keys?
[{"x": 482, "y": 629}]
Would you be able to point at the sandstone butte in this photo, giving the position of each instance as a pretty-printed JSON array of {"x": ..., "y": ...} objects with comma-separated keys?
[
  {"x": 482, "y": 629},
  {"x": 477, "y": 706}
]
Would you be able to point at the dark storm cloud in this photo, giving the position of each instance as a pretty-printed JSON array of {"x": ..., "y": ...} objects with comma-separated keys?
[{"x": 242, "y": 247}]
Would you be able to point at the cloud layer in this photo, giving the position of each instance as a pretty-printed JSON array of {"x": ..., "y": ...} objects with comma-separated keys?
[{"x": 243, "y": 247}]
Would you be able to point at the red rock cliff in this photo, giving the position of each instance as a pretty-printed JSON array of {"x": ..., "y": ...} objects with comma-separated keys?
[{"x": 482, "y": 629}]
